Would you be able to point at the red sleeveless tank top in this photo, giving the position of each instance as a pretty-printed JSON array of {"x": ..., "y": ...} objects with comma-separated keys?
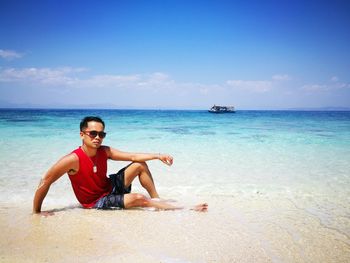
[{"x": 88, "y": 184}]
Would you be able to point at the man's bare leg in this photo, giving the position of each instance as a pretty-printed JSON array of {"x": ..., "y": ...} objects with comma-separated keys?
[
  {"x": 141, "y": 170},
  {"x": 139, "y": 200}
]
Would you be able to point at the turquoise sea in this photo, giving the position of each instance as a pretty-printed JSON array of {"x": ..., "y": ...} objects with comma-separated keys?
[
  {"x": 248, "y": 150},
  {"x": 300, "y": 157}
]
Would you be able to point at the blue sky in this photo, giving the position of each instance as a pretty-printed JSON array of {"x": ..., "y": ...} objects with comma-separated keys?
[{"x": 175, "y": 54}]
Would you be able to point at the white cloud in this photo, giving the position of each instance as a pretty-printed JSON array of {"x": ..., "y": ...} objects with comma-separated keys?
[
  {"x": 155, "y": 82},
  {"x": 259, "y": 86},
  {"x": 156, "y": 88},
  {"x": 314, "y": 87},
  {"x": 152, "y": 81},
  {"x": 333, "y": 85},
  {"x": 9, "y": 54},
  {"x": 334, "y": 78},
  {"x": 280, "y": 77},
  {"x": 69, "y": 77},
  {"x": 41, "y": 76},
  {"x": 111, "y": 81}
]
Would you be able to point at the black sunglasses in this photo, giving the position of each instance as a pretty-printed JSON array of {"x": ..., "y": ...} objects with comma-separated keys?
[{"x": 93, "y": 134}]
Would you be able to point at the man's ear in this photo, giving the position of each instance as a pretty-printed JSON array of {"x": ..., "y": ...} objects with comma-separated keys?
[{"x": 81, "y": 135}]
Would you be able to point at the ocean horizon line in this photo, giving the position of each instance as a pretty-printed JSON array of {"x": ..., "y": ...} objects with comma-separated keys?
[{"x": 175, "y": 109}]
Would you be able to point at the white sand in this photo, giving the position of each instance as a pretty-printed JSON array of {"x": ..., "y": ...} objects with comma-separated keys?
[{"x": 235, "y": 229}]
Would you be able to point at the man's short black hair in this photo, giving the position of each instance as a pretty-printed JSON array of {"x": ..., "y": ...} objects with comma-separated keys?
[{"x": 84, "y": 122}]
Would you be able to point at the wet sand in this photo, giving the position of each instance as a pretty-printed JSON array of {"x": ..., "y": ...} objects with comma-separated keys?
[{"x": 235, "y": 229}]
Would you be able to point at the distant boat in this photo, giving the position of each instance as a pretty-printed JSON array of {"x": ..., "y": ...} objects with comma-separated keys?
[{"x": 222, "y": 109}]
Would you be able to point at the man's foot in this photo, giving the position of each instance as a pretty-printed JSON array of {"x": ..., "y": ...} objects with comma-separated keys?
[{"x": 201, "y": 207}]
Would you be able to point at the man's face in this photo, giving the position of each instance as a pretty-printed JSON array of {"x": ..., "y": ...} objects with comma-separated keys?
[{"x": 93, "y": 136}]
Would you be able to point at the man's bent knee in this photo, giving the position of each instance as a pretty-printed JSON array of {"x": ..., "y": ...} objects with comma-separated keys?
[{"x": 141, "y": 166}]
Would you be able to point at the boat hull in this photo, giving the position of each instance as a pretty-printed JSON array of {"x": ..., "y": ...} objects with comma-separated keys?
[{"x": 215, "y": 111}]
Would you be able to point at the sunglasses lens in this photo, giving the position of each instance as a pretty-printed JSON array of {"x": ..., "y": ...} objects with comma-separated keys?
[
  {"x": 102, "y": 134},
  {"x": 93, "y": 134}
]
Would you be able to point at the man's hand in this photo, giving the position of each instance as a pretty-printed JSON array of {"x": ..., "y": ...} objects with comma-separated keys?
[
  {"x": 167, "y": 159},
  {"x": 44, "y": 214}
]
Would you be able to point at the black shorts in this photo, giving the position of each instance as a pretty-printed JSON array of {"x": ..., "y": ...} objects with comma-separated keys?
[{"x": 116, "y": 198}]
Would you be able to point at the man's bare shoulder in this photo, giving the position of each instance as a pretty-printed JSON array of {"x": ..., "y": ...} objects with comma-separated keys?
[
  {"x": 70, "y": 158},
  {"x": 113, "y": 153},
  {"x": 71, "y": 162},
  {"x": 107, "y": 149}
]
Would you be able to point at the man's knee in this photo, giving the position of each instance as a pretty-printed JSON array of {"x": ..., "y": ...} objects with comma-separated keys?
[{"x": 141, "y": 166}]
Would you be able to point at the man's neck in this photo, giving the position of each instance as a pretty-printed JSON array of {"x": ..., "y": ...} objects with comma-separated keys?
[{"x": 89, "y": 151}]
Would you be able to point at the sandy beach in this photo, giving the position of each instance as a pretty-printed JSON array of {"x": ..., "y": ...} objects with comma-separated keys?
[{"x": 256, "y": 229}]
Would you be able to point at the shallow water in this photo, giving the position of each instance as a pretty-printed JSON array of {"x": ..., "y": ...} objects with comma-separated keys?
[{"x": 282, "y": 176}]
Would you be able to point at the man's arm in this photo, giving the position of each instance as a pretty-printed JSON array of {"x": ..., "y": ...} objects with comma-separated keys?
[
  {"x": 66, "y": 164},
  {"x": 117, "y": 155}
]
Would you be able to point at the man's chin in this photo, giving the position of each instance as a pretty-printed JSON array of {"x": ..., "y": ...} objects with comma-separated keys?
[{"x": 96, "y": 145}]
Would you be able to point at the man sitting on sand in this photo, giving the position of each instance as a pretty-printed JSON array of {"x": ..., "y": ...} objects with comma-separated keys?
[{"x": 87, "y": 170}]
